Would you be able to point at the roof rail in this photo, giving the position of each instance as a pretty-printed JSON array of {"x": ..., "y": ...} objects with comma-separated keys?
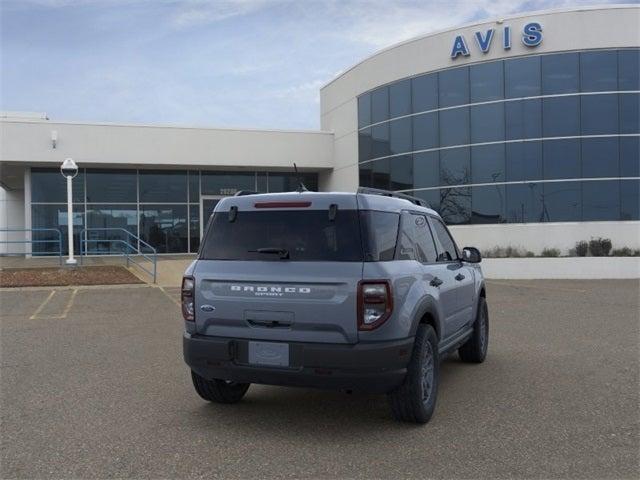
[
  {"x": 388, "y": 193},
  {"x": 242, "y": 193}
]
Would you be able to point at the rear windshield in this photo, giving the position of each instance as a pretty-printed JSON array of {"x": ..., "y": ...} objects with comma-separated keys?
[{"x": 295, "y": 235}]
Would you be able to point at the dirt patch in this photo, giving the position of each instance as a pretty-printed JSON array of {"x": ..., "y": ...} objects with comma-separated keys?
[{"x": 55, "y": 276}]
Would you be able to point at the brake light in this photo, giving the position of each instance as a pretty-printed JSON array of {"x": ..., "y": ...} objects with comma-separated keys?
[
  {"x": 375, "y": 303},
  {"x": 187, "y": 299},
  {"x": 282, "y": 204}
]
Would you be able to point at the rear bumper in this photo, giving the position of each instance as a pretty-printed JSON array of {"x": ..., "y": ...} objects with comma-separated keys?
[{"x": 368, "y": 367}]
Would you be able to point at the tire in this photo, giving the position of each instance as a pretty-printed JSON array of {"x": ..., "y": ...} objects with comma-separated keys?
[
  {"x": 415, "y": 400},
  {"x": 219, "y": 391},
  {"x": 474, "y": 350}
]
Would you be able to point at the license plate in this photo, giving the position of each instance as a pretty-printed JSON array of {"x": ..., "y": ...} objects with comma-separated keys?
[{"x": 269, "y": 353}]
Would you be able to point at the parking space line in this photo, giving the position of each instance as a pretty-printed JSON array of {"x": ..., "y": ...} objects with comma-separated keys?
[
  {"x": 42, "y": 305},
  {"x": 169, "y": 296}
]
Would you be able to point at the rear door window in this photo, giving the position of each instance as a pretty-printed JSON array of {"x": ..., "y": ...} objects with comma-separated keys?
[
  {"x": 416, "y": 242},
  {"x": 305, "y": 235},
  {"x": 447, "y": 250}
]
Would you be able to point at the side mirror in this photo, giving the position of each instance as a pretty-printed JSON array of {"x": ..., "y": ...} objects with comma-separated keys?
[{"x": 471, "y": 255}]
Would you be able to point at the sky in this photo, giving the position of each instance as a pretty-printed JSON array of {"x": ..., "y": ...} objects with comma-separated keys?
[{"x": 219, "y": 63}]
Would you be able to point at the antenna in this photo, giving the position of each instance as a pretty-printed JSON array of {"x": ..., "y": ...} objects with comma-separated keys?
[{"x": 301, "y": 188}]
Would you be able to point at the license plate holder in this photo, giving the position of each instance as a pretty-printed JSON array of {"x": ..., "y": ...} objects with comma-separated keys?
[{"x": 269, "y": 353}]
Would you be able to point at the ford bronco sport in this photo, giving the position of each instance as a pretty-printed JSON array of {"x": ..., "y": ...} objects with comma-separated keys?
[{"x": 358, "y": 291}]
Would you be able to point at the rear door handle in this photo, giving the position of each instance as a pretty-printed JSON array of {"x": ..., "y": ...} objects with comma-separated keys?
[
  {"x": 459, "y": 277},
  {"x": 436, "y": 282}
]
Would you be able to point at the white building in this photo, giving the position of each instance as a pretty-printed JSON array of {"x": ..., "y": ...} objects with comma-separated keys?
[{"x": 521, "y": 131}]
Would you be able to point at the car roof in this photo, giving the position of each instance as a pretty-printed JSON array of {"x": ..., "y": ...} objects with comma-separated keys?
[{"x": 321, "y": 201}]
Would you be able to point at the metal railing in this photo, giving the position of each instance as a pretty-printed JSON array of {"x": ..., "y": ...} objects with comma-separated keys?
[
  {"x": 128, "y": 250},
  {"x": 31, "y": 241}
]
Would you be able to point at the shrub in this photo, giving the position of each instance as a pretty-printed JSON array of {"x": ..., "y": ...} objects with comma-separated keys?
[
  {"x": 625, "y": 252},
  {"x": 506, "y": 252},
  {"x": 600, "y": 247},
  {"x": 550, "y": 252},
  {"x": 582, "y": 248}
]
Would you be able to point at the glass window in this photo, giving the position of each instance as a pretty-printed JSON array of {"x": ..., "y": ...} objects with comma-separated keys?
[
  {"x": 487, "y": 81},
  {"x": 561, "y": 116},
  {"x": 561, "y": 159},
  {"x": 288, "y": 182},
  {"x": 562, "y": 202},
  {"x": 453, "y": 87},
  {"x": 455, "y": 166},
  {"x": 194, "y": 186},
  {"x": 227, "y": 183},
  {"x": 630, "y": 156},
  {"x": 524, "y": 203},
  {"x": 426, "y": 169},
  {"x": 600, "y": 157},
  {"x": 115, "y": 218},
  {"x": 163, "y": 186},
  {"x": 364, "y": 110},
  {"x": 416, "y": 242},
  {"x": 380, "y": 105},
  {"x": 629, "y": 70},
  {"x": 487, "y": 164},
  {"x": 364, "y": 174},
  {"x": 379, "y": 232},
  {"x": 599, "y": 114},
  {"x": 262, "y": 182},
  {"x": 560, "y": 73},
  {"x": 194, "y": 227},
  {"x": 380, "y": 141},
  {"x": 522, "y": 77},
  {"x": 380, "y": 174},
  {"x": 487, "y": 123},
  {"x": 400, "y": 98},
  {"x": 523, "y": 161},
  {"x": 364, "y": 145},
  {"x": 165, "y": 227},
  {"x": 54, "y": 216},
  {"x": 601, "y": 200},
  {"x": 446, "y": 246},
  {"x": 454, "y": 127},
  {"x": 432, "y": 197},
  {"x": 49, "y": 186},
  {"x": 629, "y": 113},
  {"x": 425, "y": 131},
  {"x": 112, "y": 186},
  {"x": 400, "y": 135},
  {"x": 488, "y": 204},
  {"x": 523, "y": 119},
  {"x": 306, "y": 235},
  {"x": 455, "y": 205},
  {"x": 630, "y": 199},
  {"x": 401, "y": 175},
  {"x": 424, "y": 92},
  {"x": 599, "y": 71}
]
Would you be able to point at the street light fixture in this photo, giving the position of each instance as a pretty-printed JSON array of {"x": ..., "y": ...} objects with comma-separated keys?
[{"x": 69, "y": 169}]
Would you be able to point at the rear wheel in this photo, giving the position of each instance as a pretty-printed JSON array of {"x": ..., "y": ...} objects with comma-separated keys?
[
  {"x": 474, "y": 350},
  {"x": 219, "y": 391},
  {"x": 415, "y": 400}
]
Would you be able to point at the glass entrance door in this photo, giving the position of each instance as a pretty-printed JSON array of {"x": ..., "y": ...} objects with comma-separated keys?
[{"x": 207, "y": 204}]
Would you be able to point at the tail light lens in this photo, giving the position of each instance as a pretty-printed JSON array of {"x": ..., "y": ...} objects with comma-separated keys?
[
  {"x": 187, "y": 298},
  {"x": 375, "y": 303}
]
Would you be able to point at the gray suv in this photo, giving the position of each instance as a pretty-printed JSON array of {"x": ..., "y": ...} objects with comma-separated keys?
[{"x": 358, "y": 291}]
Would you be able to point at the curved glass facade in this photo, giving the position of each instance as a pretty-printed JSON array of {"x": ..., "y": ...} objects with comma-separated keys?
[{"x": 541, "y": 138}]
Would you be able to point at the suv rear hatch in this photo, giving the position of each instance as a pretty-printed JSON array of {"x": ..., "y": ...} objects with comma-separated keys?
[{"x": 281, "y": 267}]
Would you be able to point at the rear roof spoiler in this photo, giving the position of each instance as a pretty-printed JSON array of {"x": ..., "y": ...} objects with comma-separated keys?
[{"x": 388, "y": 193}]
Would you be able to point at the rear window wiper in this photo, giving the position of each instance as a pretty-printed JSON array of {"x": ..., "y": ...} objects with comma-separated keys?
[{"x": 283, "y": 252}]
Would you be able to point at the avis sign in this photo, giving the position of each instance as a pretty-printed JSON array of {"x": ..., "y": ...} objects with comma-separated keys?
[{"x": 531, "y": 37}]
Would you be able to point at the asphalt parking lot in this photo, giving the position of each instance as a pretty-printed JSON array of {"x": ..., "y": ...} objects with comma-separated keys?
[{"x": 93, "y": 385}]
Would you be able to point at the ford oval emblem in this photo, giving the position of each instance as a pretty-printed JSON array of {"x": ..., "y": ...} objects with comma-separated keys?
[{"x": 207, "y": 308}]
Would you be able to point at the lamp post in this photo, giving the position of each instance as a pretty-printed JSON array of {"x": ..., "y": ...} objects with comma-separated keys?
[{"x": 69, "y": 169}]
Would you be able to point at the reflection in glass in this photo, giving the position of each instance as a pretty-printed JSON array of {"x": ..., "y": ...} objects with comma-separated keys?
[
  {"x": 54, "y": 216},
  {"x": 455, "y": 205},
  {"x": 227, "y": 183},
  {"x": 401, "y": 174},
  {"x": 560, "y": 73},
  {"x": 400, "y": 135},
  {"x": 194, "y": 186},
  {"x": 561, "y": 158},
  {"x": 523, "y": 119},
  {"x": 487, "y": 123},
  {"x": 380, "y": 105},
  {"x": 599, "y": 114},
  {"x": 453, "y": 87},
  {"x": 562, "y": 202},
  {"x": 630, "y": 156},
  {"x": 48, "y": 185},
  {"x": 630, "y": 199},
  {"x": 629, "y": 69},
  {"x": 629, "y": 113},
  {"x": 425, "y": 131},
  {"x": 364, "y": 173},
  {"x": 380, "y": 141},
  {"x": 600, "y": 157},
  {"x": 194, "y": 227},
  {"x": 524, "y": 203},
  {"x": 165, "y": 227},
  {"x": 488, "y": 204},
  {"x": 598, "y": 71},
  {"x": 424, "y": 92},
  {"x": 454, "y": 127},
  {"x": 111, "y": 186},
  {"x": 288, "y": 182},
  {"x": 455, "y": 166},
  {"x": 523, "y": 161},
  {"x": 432, "y": 197},
  {"x": 522, "y": 77},
  {"x": 400, "y": 98},
  {"x": 561, "y": 116},
  {"x": 114, "y": 218},
  {"x": 364, "y": 110},
  {"x": 601, "y": 200},
  {"x": 487, "y": 164},
  {"x": 364, "y": 145},
  {"x": 163, "y": 186},
  {"x": 487, "y": 81},
  {"x": 380, "y": 175},
  {"x": 426, "y": 169}
]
